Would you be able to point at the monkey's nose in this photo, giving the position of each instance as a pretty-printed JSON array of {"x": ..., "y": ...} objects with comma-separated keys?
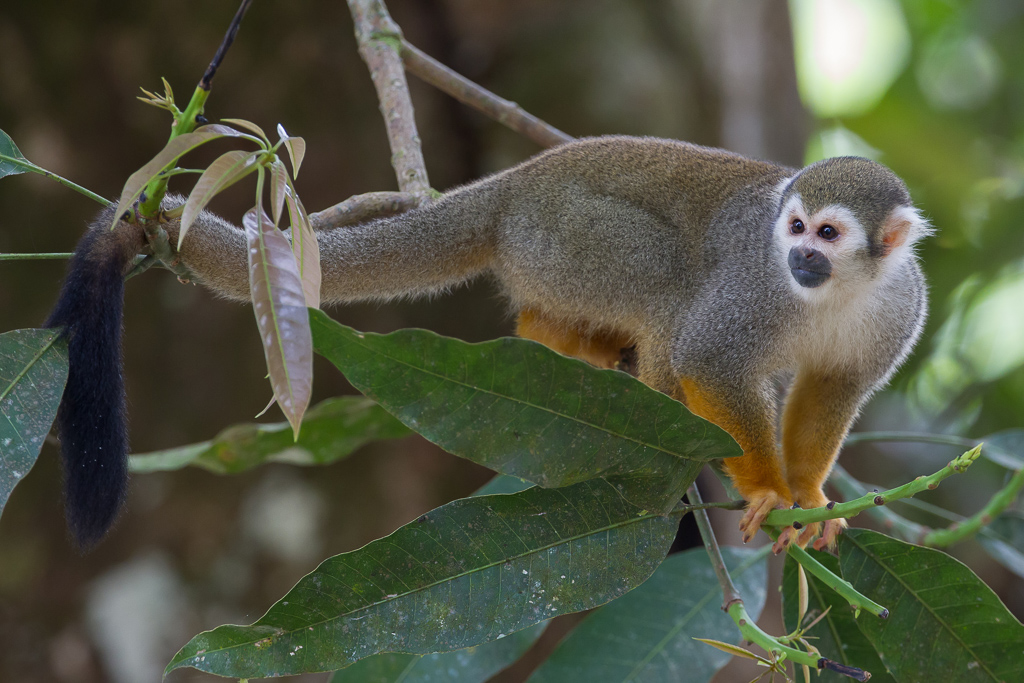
[{"x": 810, "y": 267}]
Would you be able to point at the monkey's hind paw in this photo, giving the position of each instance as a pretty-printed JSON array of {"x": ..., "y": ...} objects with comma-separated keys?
[
  {"x": 831, "y": 531},
  {"x": 758, "y": 507}
]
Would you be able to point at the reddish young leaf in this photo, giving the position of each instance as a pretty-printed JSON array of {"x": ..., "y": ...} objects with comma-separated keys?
[
  {"x": 227, "y": 170},
  {"x": 173, "y": 151},
  {"x": 281, "y": 314},
  {"x": 305, "y": 247}
]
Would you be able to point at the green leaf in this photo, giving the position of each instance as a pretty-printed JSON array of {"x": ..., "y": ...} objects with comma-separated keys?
[
  {"x": 836, "y": 635},
  {"x": 519, "y": 408},
  {"x": 33, "y": 370},
  {"x": 471, "y": 665},
  {"x": 648, "y": 634},
  {"x": 1004, "y": 540},
  {"x": 945, "y": 625},
  {"x": 281, "y": 314},
  {"x": 1005, "y": 448},
  {"x": 9, "y": 149},
  {"x": 331, "y": 430},
  {"x": 466, "y": 573},
  {"x": 503, "y": 483}
]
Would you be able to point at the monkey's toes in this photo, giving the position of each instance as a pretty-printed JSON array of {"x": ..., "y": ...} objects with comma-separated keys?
[
  {"x": 831, "y": 531},
  {"x": 788, "y": 536}
]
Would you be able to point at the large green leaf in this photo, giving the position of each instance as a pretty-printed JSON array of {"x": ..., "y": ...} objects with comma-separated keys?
[
  {"x": 469, "y": 572},
  {"x": 476, "y": 663},
  {"x": 648, "y": 634},
  {"x": 33, "y": 370},
  {"x": 836, "y": 636},
  {"x": 471, "y": 665},
  {"x": 1004, "y": 540},
  {"x": 945, "y": 623},
  {"x": 9, "y": 149},
  {"x": 519, "y": 408},
  {"x": 1005, "y": 448},
  {"x": 331, "y": 430}
]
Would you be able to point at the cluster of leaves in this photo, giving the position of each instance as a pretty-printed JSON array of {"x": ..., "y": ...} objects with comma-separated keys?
[{"x": 477, "y": 578}]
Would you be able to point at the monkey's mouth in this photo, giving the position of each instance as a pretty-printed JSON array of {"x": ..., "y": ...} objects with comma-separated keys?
[
  {"x": 810, "y": 267},
  {"x": 809, "y": 278}
]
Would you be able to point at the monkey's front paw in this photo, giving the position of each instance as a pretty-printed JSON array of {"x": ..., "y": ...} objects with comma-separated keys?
[{"x": 758, "y": 507}]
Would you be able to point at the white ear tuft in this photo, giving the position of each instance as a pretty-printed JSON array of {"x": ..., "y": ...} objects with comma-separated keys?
[{"x": 904, "y": 226}]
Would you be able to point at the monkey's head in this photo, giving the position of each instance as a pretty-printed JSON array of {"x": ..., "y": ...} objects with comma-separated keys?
[{"x": 845, "y": 222}]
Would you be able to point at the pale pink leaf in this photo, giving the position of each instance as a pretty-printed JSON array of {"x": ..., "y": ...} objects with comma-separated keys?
[
  {"x": 248, "y": 125},
  {"x": 278, "y": 187},
  {"x": 305, "y": 247},
  {"x": 296, "y": 149},
  {"x": 228, "y": 169},
  {"x": 172, "y": 151},
  {"x": 281, "y": 314}
]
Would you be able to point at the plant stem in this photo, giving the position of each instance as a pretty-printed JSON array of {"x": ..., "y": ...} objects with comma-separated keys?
[
  {"x": 940, "y": 538},
  {"x": 854, "y": 507},
  {"x": 914, "y": 437},
  {"x": 36, "y": 257},
  {"x": 844, "y": 588},
  {"x": 729, "y": 593},
  {"x": 890, "y": 520},
  {"x": 29, "y": 166}
]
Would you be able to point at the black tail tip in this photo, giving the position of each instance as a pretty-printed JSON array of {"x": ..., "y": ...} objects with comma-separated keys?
[{"x": 91, "y": 511}]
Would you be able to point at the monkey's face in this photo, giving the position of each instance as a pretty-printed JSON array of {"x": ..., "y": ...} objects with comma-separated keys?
[{"x": 820, "y": 248}]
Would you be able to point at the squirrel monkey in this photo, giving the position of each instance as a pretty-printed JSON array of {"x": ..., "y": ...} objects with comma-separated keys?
[{"x": 726, "y": 273}]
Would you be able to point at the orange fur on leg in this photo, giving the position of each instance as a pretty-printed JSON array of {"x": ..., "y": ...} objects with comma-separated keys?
[
  {"x": 757, "y": 474},
  {"x": 602, "y": 348},
  {"x": 817, "y": 416}
]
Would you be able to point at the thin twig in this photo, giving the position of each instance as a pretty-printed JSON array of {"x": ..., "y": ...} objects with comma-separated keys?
[
  {"x": 379, "y": 39},
  {"x": 940, "y": 538},
  {"x": 466, "y": 91},
  {"x": 855, "y": 507},
  {"x": 363, "y": 207},
  {"x": 729, "y": 592},
  {"x": 229, "y": 37},
  {"x": 36, "y": 257}
]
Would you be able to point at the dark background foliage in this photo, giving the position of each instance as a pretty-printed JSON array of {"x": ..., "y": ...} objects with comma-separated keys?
[{"x": 194, "y": 550}]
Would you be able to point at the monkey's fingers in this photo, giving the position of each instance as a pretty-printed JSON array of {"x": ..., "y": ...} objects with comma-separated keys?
[{"x": 833, "y": 527}]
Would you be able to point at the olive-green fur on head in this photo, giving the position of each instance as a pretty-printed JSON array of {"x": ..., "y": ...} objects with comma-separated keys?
[{"x": 868, "y": 189}]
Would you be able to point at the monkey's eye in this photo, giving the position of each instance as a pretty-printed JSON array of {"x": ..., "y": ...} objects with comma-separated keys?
[
  {"x": 828, "y": 233},
  {"x": 797, "y": 226}
]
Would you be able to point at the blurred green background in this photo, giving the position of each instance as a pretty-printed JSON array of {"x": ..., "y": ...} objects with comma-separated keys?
[{"x": 932, "y": 88}]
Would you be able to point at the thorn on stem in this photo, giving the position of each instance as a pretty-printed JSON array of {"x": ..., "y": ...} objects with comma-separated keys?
[
  {"x": 879, "y": 500},
  {"x": 831, "y": 504}
]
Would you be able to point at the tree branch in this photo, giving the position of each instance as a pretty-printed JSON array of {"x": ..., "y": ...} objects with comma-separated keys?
[
  {"x": 469, "y": 93},
  {"x": 364, "y": 207},
  {"x": 380, "y": 40}
]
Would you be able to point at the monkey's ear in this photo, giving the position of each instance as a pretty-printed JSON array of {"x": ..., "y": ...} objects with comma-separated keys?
[{"x": 904, "y": 225}]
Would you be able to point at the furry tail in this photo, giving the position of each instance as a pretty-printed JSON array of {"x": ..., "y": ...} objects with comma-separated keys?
[{"x": 91, "y": 422}]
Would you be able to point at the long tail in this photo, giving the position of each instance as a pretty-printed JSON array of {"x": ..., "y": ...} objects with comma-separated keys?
[
  {"x": 420, "y": 252},
  {"x": 91, "y": 422}
]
